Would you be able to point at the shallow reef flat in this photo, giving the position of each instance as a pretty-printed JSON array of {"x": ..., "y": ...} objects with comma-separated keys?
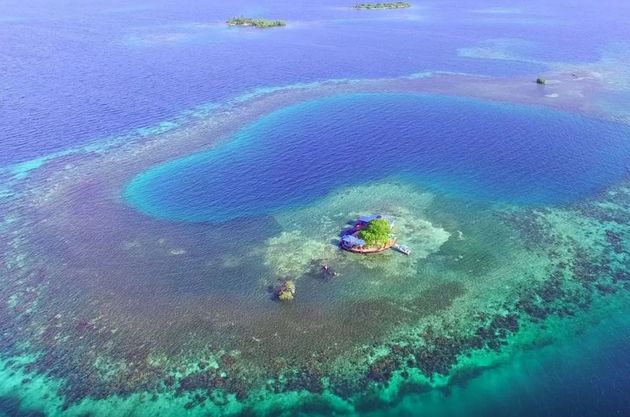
[
  {"x": 106, "y": 308},
  {"x": 320, "y": 225}
]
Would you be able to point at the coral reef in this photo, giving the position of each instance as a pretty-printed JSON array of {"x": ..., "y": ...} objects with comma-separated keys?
[
  {"x": 285, "y": 290},
  {"x": 209, "y": 338}
]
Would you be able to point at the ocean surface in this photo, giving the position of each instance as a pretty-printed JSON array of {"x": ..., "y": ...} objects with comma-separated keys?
[
  {"x": 488, "y": 151},
  {"x": 79, "y": 71},
  {"x": 152, "y": 262}
]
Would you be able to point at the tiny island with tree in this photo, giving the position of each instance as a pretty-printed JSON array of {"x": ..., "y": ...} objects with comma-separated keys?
[
  {"x": 258, "y": 23},
  {"x": 392, "y": 5},
  {"x": 371, "y": 234}
]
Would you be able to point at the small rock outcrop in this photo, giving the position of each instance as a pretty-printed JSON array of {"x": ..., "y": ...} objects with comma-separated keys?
[{"x": 285, "y": 290}]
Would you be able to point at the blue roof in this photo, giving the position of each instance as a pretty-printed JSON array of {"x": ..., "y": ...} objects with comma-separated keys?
[
  {"x": 352, "y": 240},
  {"x": 367, "y": 219}
]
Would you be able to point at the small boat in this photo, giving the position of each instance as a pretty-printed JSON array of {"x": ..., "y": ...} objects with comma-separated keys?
[{"x": 403, "y": 249}]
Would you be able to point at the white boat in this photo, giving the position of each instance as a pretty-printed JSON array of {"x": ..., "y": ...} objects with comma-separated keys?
[{"x": 403, "y": 249}]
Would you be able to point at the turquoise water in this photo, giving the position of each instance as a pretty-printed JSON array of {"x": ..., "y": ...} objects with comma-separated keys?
[
  {"x": 569, "y": 375},
  {"x": 463, "y": 147}
]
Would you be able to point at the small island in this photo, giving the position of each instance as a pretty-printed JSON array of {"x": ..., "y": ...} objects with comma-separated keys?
[
  {"x": 258, "y": 23},
  {"x": 541, "y": 81},
  {"x": 393, "y": 5},
  {"x": 371, "y": 234}
]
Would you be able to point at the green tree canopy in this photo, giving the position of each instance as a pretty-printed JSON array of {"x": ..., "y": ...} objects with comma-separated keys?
[{"x": 376, "y": 233}]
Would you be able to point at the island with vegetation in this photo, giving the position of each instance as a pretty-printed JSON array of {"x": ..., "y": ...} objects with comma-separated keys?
[
  {"x": 371, "y": 234},
  {"x": 258, "y": 23},
  {"x": 541, "y": 81},
  {"x": 392, "y": 5}
]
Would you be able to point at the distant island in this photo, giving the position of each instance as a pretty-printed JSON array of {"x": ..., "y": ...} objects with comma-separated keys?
[
  {"x": 259, "y": 23},
  {"x": 393, "y": 5}
]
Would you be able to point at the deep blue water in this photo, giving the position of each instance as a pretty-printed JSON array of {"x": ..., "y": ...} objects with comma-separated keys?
[
  {"x": 470, "y": 148},
  {"x": 77, "y": 71}
]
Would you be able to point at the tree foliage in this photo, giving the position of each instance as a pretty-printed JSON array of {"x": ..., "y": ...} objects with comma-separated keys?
[
  {"x": 392, "y": 5},
  {"x": 259, "y": 23},
  {"x": 376, "y": 233}
]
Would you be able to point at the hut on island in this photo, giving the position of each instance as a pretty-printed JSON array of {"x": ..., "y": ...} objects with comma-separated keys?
[
  {"x": 349, "y": 242},
  {"x": 364, "y": 220}
]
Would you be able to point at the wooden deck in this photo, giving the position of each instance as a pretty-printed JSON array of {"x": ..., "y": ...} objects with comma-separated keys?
[{"x": 368, "y": 251}]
